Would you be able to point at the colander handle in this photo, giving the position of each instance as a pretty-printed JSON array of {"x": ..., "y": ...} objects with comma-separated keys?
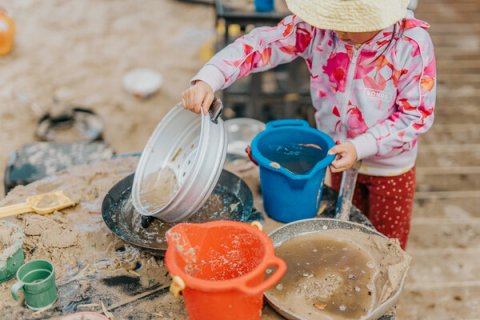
[
  {"x": 215, "y": 110},
  {"x": 281, "y": 268},
  {"x": 287, "y": 123}
]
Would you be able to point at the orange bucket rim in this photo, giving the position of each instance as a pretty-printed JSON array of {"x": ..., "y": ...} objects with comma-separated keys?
[{"x": 268, "y": 259}]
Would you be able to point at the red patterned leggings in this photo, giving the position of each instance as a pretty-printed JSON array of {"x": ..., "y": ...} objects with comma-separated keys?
[{"x": 386, "y": 201}]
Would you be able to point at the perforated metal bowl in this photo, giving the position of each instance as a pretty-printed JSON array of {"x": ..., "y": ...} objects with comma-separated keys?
[{"x": 191, "y": 146}]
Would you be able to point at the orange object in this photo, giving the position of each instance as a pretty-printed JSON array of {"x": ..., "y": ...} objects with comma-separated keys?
[
  {"x": 221, "y": 267},
  {"x": 7, "y": 33}
]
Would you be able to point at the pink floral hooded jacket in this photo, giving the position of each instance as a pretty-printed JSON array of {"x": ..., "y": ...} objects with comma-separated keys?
[{"x": 380, "y": 96}]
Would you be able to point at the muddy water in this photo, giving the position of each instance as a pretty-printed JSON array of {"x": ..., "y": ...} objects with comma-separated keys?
[
  {"x": 326, "y": 278},
  {"x": 221, "y": 205},
  {"x": 297, "y": 158},
  {"x": 158, "y": 188}
]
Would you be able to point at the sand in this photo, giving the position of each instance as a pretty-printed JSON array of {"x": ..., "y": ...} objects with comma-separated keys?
[
  {"x": 80, "y": 60},
  {"x": 92, "y": 265},
  {"x": 157, "y": 189},
  {"x": 5, "y": 238},
  {"x": 11, "y": 239}
]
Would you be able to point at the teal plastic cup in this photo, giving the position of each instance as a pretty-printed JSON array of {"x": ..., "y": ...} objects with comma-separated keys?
[{"x": 36, "y": 279}]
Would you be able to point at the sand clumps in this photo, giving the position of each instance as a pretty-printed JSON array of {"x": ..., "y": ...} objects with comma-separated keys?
[
  {"x": 323, "y": 288},
  {"x": 158, "y": 189},
  {"x": 54, "y": 231},
  {"x": 11, "y": 239}
]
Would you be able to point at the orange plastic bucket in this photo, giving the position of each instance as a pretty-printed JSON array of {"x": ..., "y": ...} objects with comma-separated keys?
[
  {"x": 7, "y": 33},
  {"x": 222, "y": 268}
]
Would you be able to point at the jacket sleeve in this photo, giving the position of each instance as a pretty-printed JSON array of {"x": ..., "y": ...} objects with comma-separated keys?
[
  {"x": 415, "y": 103},
  {"x": 261, "y": 49}
]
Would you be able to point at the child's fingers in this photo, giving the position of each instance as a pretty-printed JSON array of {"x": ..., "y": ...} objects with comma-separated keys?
[
  {"x": 337, "y": 168},
  {"x": 337, "y": 149},
  {"x": 184, "y": 103},
  {"x": 342, "y": 160},
  {"x": 333, "y": 169},
  {"x": 207, "y": 102},
  {"x": 197, "y": 100},
  {"x": 198, "y": 97},
  {"x": 341, "y": 163},
  {"x": 187, "y": 100}
]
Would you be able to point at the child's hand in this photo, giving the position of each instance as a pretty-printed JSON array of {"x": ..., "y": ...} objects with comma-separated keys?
[
  {"x": 198, "y": 97},
  {"x": 346, "y": 156}
]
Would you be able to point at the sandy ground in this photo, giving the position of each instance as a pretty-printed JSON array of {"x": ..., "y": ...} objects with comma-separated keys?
[
  {"x": 77, "y": 52},
  {"x": 94, "y": 267}
]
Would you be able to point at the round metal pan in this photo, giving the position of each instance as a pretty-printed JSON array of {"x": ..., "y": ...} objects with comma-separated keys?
[
  {"x": 231, "y": 200},
  {"x": 316, "y": 225}
]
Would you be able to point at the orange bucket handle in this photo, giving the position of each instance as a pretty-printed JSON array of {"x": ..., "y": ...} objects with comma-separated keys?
[
  {"x": 281, "y": 268},
  {"x": 249, "y": 153}
]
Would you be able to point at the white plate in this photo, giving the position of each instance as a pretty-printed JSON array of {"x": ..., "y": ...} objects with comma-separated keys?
[{"x": 142, "y": 82}]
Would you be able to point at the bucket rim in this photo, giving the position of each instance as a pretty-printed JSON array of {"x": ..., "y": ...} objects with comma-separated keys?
[
  {"x": 222, "y": 285},
  {"x": 265, "y": 163}
]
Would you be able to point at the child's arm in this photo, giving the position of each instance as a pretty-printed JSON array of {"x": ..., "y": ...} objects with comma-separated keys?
[
  {"x": 260, "y": 50},
  {"x": 415, "y": 106}
]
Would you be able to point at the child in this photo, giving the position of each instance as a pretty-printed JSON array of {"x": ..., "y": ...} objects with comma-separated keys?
[{"x": 373, "y": 86}]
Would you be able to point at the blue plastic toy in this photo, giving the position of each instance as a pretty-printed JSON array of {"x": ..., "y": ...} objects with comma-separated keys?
[
  {"x": 264, "y": 5},
  {"x": 293, "y": 158}
]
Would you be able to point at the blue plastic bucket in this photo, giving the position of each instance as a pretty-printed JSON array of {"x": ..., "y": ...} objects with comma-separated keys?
[
  {"x": 264, "y": 5},
  {"x": 293, "y": 158}
]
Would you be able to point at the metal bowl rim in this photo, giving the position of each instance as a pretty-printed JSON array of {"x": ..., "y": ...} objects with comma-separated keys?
[{"x": 377, "y": 313}]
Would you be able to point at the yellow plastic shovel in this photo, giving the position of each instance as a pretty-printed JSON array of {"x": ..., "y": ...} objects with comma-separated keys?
[{"x": 41, "y": 204}]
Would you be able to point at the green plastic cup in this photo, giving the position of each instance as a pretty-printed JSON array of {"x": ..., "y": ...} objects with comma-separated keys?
[{"x": 36, "y": 279}]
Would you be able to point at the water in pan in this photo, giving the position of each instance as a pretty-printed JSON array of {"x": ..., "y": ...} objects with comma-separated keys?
[
  {"x": 158, "y": 188},
  {"x": 326, "y": 278},
  {"x": 222, "y": 204}
]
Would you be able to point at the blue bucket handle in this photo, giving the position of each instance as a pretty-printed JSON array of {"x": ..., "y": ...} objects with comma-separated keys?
[{"x": 287, "y": 123}]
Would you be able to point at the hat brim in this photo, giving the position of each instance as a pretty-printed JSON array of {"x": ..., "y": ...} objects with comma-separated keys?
[{"x": 349, "y": 16}]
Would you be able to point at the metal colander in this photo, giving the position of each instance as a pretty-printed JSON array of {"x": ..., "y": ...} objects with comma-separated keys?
[{"x": 180, "y": 164}]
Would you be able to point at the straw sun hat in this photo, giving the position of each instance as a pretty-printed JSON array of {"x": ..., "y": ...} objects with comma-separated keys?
[{"x": 349, "y": 15}]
